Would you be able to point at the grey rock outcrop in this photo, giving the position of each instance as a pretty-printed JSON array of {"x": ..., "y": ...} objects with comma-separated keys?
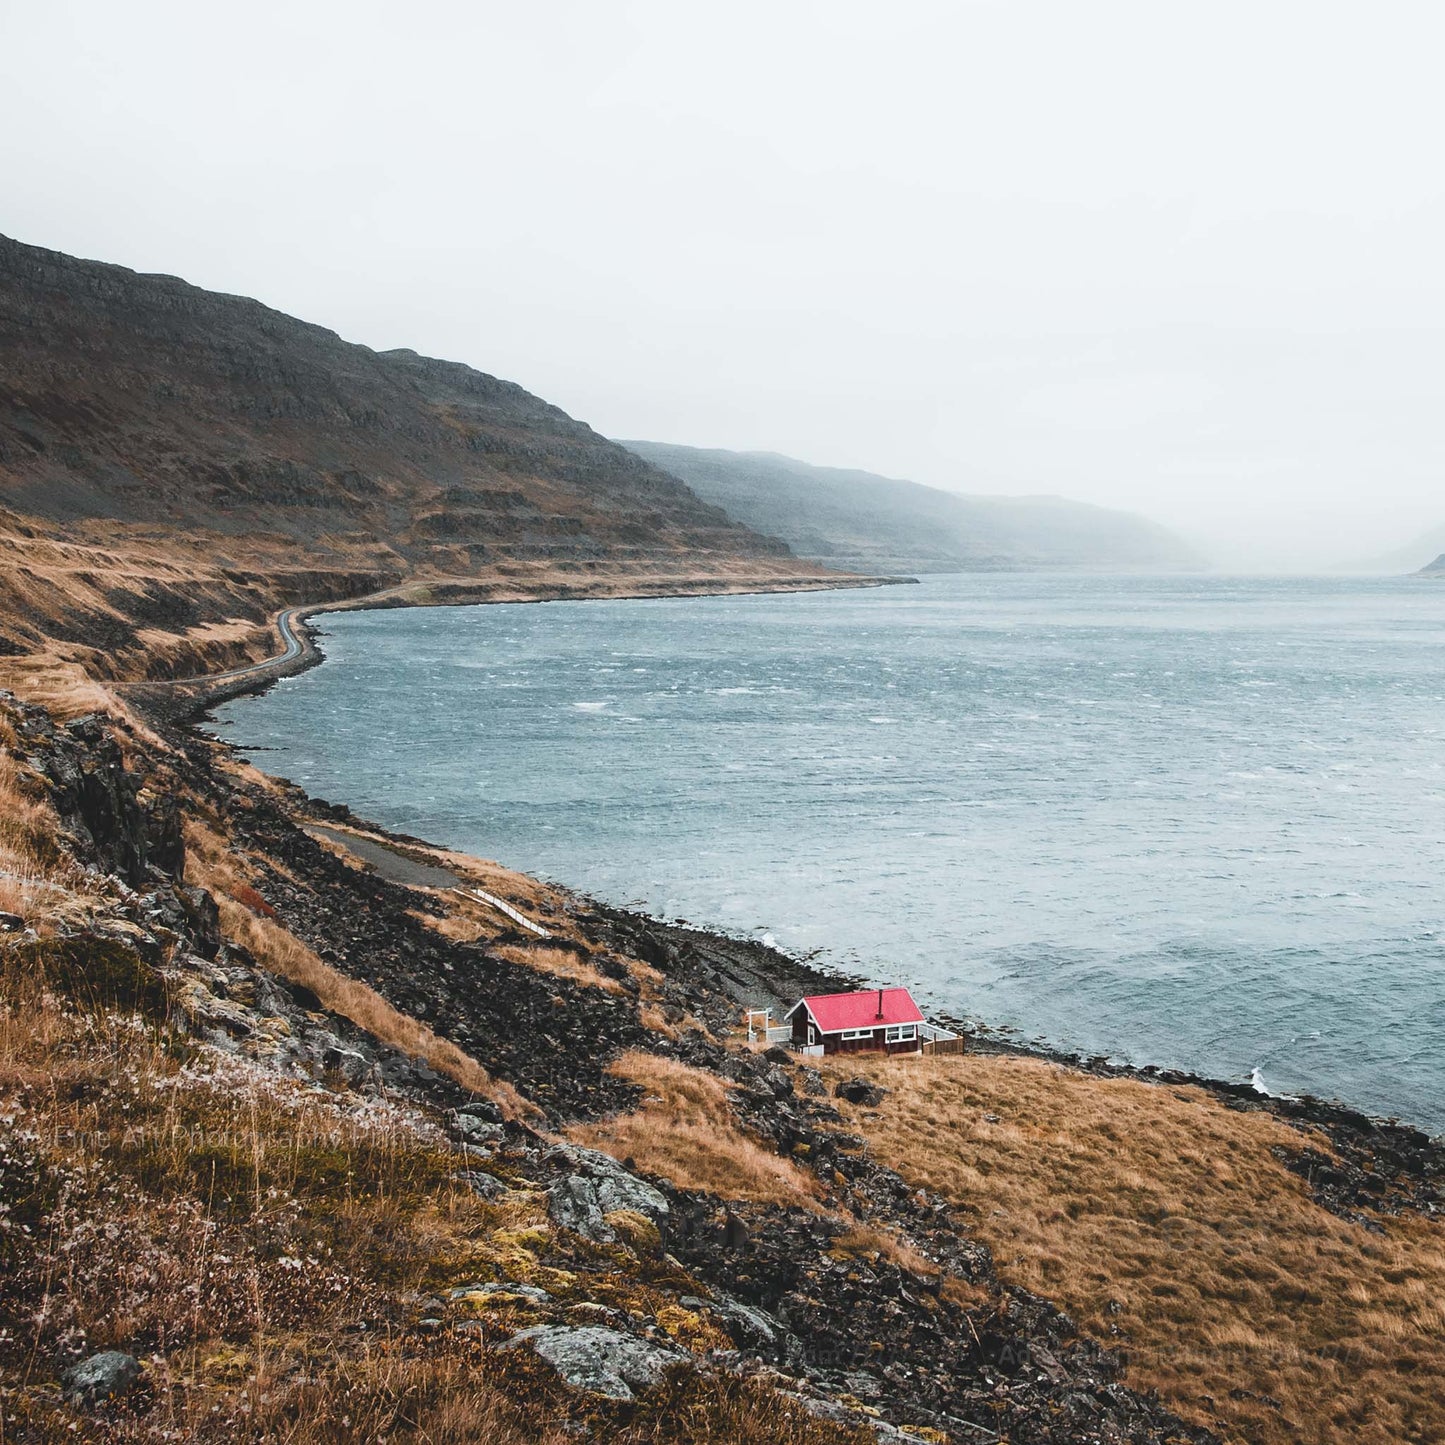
[
  {"x": 101, "y": 1377},
  {"x": 488, "y": 1186},
  {"x": 596, "y": 1186},
  {"x": 751, "y": 1328},
  {"x": 600, "y": 1360},
  {"x": 572, "y": 1204}
]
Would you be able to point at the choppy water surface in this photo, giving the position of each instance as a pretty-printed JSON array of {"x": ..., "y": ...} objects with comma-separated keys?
[{"x": 1180, "y": 821}]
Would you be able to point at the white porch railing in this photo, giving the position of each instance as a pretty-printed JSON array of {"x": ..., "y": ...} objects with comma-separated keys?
[{"x": 762, "y": 1029}]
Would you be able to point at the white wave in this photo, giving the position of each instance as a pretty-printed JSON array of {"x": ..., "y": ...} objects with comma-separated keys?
[{"x": 1256, "y": 1082}]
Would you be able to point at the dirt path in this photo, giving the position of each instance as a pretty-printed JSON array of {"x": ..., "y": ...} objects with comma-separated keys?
[{"x": 393, "y": 866}]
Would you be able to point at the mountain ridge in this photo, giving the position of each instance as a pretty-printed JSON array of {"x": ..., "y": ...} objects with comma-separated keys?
[
  {"x": 183, "y": 463},
  {"x": 861, "y": 521}
]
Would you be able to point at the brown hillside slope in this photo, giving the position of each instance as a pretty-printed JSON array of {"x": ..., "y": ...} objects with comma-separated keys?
[
  {"x": 1183, "y": 1232},
  {"x": 172, "y": 459}
]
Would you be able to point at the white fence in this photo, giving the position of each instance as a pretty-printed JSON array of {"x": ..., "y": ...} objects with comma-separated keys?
[{"x": 761, "y": 1028}]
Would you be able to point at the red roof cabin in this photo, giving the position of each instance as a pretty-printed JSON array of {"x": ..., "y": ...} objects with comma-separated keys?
[{"x": 881, "y": 1020}]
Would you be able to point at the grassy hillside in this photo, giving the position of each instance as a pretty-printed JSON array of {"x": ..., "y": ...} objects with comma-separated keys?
[
  {"x": 865, "y": 523},
  {"x": 1187, "y": 1232},
  {"x": 316, "y": 1153}
]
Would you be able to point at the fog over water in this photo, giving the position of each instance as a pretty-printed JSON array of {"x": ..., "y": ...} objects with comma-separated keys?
[
  {"x": 1181, "y": 821},
  {"x": 1182, "y": 259}
]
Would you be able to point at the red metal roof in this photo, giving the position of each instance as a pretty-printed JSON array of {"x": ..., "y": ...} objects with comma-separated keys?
[{"x": 834, "y": 1012}]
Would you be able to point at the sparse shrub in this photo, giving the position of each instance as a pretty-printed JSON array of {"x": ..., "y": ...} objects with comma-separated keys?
[{"x": 92, "y": 973}]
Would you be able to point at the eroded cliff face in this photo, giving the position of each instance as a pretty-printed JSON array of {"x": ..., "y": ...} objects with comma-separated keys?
[{"x": 172, "y": 458}]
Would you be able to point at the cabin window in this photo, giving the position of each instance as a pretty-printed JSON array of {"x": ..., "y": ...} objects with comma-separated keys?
[
  {"x": 901, "y": 1033},
  {"x": 857, "y": 1033}
]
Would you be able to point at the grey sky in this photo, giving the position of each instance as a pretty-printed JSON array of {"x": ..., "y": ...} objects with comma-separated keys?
[{"x": 1178, "y": 257}]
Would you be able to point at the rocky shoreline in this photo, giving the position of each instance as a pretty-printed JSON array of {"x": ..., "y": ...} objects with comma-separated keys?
[
  {"x": 787, "y": 1298},
  {"x": 183, "y": 700},
  {"x": 1375, "y": 1149}
]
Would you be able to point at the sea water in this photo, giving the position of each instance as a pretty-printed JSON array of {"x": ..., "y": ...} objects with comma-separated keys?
[{"x": 1197, "y": 822}]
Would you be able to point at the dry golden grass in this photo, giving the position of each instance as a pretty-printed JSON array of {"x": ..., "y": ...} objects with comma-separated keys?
[
  {"x": 64, "y": 687},
  {"x": 560, "y": 962},
  {"x": 454, "y": 926},
  {"x": 50, "y": 579},
  {"x": 651, "y": 1016},
  {"x": 280, "y": 952},
  {"x": 867, "y": 1241},
  {"x": 685, "y": 1131},
  {"x": 35, "y": 879},
  {"x": 1161, "y": 1213}
]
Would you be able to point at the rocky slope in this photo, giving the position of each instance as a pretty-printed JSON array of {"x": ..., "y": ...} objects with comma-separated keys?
[
  {"x": 861, "y": 522},
  {"x": 564, "y": 1171},
  {"x": 175, "y": 885},
  {"x": 173, "y": 460}
]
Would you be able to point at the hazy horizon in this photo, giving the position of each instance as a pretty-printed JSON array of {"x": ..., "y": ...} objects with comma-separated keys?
[{"x": 1180, "y": 262}]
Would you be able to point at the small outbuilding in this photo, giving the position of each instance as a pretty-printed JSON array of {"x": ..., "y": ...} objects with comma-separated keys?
[{"x": 881, "y": 1020}]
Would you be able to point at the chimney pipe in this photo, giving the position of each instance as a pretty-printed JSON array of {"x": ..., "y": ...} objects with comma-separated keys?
[{"x": 880, "y": 1003}]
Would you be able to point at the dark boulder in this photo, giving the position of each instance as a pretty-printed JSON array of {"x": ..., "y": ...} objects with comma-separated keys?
[{"x": 858, "y": 1090}]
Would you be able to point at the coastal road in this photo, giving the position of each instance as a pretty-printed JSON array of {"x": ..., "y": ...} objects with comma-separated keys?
[
  {"x": 295, "y": 645},
  {"x": 286, "y": 622}
]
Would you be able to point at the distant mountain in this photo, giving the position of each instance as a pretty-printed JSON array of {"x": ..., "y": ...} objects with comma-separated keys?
[
  {"x": 860, "y": 522},
  {"x": 1436, "y": 568},
  {"x": 1413, "y": 557}
]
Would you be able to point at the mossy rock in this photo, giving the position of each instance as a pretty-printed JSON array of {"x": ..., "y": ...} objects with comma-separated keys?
[
  {"x": 530, "y": 1237},
  {"x": 513, "y": 1252},
  {"x": 635, "y": 1230},
  {"x": 557, "y": 1282}
]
